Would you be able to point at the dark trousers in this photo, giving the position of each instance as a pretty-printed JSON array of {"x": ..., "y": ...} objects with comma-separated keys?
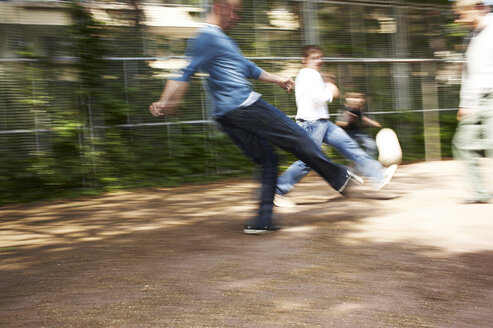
[{"x": 255, "y": 128}]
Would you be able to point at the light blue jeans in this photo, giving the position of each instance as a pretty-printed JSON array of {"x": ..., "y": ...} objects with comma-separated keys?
[
  {"x": 365, "y": 141},
  {"x": 327, "y": 132}
]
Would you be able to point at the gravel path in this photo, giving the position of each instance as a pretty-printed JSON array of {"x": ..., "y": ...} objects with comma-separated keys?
[{"x": 409, "y": 256}]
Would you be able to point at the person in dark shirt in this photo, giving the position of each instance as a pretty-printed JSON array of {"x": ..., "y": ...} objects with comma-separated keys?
[{"x": 354, "y": 122}]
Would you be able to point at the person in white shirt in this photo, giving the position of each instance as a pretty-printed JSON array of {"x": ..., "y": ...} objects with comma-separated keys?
[
  {"x": 474, "y": 132},
  {"x": 313, "y": 90}
]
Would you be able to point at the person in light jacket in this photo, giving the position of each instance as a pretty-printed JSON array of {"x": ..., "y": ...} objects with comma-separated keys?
[{"x": 474, "y": 133}]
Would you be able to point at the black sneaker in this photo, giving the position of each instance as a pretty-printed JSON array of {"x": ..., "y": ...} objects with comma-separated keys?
[{"x": 256, "y": 230}]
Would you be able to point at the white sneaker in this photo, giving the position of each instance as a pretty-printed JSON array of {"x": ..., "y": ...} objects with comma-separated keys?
[
  {"x": 352, "y": 181},
  {"x": 356, "y": 178},
  {"x": 281, "y": 201},
  {"x": 389, "y": 173}
]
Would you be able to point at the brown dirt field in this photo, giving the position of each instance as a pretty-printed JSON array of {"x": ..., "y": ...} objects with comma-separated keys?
[{"x": 410, "y": 256}]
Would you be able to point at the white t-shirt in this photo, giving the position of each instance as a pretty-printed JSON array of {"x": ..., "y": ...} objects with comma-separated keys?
[{"x": 312, "y": 95}]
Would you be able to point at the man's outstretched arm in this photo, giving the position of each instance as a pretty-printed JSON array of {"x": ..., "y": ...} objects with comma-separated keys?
[
  {"x": 284, "y": 82},
  {"x": 170, "y": 98}
]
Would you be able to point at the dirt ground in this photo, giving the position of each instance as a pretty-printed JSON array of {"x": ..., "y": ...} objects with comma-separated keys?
[{"x": 409, "y": 256}]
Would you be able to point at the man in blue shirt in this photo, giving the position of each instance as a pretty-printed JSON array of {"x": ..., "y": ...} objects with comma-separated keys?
[{"x": 249, "y": 121}]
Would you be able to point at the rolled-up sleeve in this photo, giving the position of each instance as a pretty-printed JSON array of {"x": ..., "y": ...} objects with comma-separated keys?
[{"x": 252, "y": 70}]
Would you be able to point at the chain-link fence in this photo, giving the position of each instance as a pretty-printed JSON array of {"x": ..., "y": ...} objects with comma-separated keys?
[
  {"x": 115, "y": 138},
  {"x": 58, "y": 134}
]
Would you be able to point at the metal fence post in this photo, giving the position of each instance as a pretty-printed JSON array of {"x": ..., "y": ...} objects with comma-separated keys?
[
  {"x": 125, "y": 84},
  {"x": 431, "y": 118},
  {"x": 31, "y": 69},
  {"x": 310, "y": 26},
  {"x": 401, "y": 74}
]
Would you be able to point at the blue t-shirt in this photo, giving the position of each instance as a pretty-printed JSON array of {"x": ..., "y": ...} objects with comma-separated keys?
[{"x": 215, "y": 53}]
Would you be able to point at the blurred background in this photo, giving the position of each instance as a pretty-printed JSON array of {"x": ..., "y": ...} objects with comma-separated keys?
[{"x": 77, "y": 77}]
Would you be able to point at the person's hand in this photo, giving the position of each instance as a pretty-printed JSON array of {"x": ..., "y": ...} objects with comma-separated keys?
[
  {"x": 160, "y": 108},
  {"x": 287, "y": 84},
  {"x": 156, "y": 108},
  {"x": 463, "y": 112},
  {"x": 170, "y": 98}
]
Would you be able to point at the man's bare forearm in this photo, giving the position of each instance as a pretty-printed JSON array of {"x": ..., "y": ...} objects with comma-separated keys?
[
  {"x": 284, "y": 82},
  {"x": 170, "y": 98},
  {"x": 270, "y": 78},
  {"x": 174, "y": 91}
]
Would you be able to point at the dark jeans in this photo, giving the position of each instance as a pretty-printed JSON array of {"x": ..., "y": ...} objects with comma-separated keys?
[{"x": 255, "y": 128}]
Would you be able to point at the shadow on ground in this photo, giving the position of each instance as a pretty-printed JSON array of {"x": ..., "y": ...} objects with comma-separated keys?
[{"x": 411, "y": 257}]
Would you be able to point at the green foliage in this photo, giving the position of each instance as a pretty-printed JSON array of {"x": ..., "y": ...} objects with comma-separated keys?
[{"x": 74, "y": 154}]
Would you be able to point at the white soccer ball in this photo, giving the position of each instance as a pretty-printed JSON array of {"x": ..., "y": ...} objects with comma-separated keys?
[{"x": 389, "y": 149}]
